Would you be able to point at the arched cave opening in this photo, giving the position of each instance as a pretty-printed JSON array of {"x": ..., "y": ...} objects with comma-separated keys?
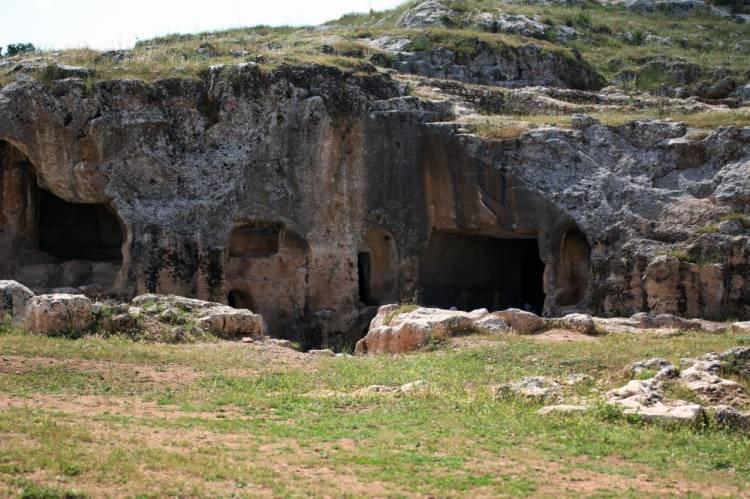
[
  {"x": 575, "y": 268},
  {"x": 240, "y": 299},
  {"x": 470, "y": 272},
  {"x": 377, "y": 266},
  {"x": 75, "y": 231},
  {"x": 47, "y": 242}
]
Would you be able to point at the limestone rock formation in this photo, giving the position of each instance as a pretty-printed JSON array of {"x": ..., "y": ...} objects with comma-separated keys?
[
  {"x": 13, "y": 299},
  {"x": 581, "y": 323},
  {"x": 507, "y": 66},
  {"x": 426, "y": 14},
  {"x": 58, "y": 314},
  {"x": 215, "y": 318},
  {"x": 311, "y": 196},
  {"x": 539, "y": 388},
  {"x": 393, "y": 332},
  {"x": 723, "y": 399},
  {"x": 522, "y": 321},
  {"x": 517, "y": 24}
]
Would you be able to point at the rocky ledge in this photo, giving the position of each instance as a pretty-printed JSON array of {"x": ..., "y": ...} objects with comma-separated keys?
[
  {"x": 153, "y": 317},
  {"x": 406, "y": 328},
  {"x": 650, "y": 395}
]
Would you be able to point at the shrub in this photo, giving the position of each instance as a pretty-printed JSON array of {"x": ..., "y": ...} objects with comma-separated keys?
[{"x": 19, "y": 48}]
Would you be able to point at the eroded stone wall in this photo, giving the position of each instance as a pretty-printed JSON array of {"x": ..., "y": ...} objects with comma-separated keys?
[{"x": 329, "y": 162}]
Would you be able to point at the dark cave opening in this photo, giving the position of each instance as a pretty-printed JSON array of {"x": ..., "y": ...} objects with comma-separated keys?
[
  {"x": 76, "y": 231},
  {"x": 470, "y": 272},
  {"x": 575, "y": 268},
  {"x": 377, "y": 267},
  {"x": 241, "y": 299},
  {"x": 364, "y": 270}
]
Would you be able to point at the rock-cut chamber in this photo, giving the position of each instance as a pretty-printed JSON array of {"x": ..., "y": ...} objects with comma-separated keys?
[
  {"x": 470, "y": 272},
  {"x": 48, "y": 242}
]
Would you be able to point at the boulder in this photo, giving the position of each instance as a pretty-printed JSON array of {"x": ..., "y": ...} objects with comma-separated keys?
[
  {"x": 426, "y": 14},
  {"x": 514, "y": 24},
  {"x": 58, "y": 313},
  {"x": 741, "y": 327},
  {"x": 215, "y": 318},
  {"x": 728, "y": 417},
  {"x": 13, "y": 299},
  {"x": 580, "y": 323},
  {"x": 703, "y": 377},
  {"x": 531, "y": 387},
  {"x": 665, "y": 321},
  {"x": 522, "y": 321},
  {"x": 228, "y": 322},
  {"x": 678, "y": 411},
  {"x": 411, "y": 330},
  {"x": 491, "y": 323},
  {"x": 662, "y": 367}
]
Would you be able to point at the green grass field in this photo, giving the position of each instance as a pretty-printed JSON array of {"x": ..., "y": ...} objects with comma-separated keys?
[{"x": 110, "y": 417}]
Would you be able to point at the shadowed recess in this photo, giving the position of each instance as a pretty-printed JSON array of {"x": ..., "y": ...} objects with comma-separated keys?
[{"x": 470, "y": 272}]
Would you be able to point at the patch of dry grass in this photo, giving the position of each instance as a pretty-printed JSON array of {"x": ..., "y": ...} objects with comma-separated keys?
[{"x": 510, "y": 127}]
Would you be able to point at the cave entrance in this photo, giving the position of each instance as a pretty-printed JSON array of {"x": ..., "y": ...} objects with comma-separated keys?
[
  {"x": 575, "y": 268},
  {"x": 470, "y": 272},
  {"x": 377, "y": 266},
  {"x": 75, "y": 231},
  {"x": 47, "y": 242},
  {"x": 241, "y": 299}
]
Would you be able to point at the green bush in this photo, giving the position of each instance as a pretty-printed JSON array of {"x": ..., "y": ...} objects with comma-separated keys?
[{"x": 19, "y": 48}]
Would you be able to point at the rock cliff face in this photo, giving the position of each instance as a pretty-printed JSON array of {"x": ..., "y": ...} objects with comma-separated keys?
[{"x": 311, "y": 196}]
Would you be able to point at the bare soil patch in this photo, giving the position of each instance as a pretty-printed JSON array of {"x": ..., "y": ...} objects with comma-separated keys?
[
  {"x": 145, "y": 374},
  {"x": 563, "y": 335}
]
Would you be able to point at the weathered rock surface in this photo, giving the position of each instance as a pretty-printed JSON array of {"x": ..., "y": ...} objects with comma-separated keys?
[
  {"x": 516, "y": 24},
  {"x": 426, "y": 14},
  {"x": 214, "y": 318},
  {"x": 532, "y": 387},
  {"x": 724, "y": 400},
  {"x": 58, "y": 314},
  {"x": 581, "y": 323},
  {"x": 679, "y": 78},
  {"x": 414, "y": 329},
  {"x": 522, "y": 321},
  {"x": 211, "y": 187},
  {"x": 13, "y": 299},
  {"x": 506, "y": 66}
]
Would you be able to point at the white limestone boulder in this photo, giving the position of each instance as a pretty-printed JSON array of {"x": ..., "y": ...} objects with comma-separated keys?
[
  {"x": 13, "y": 299},
  {"x": 58, "y": 313},
  {"x": 530, "y": 387},
  {"x": 522, "y": 321},
  {"x": 580, "y": 323},
  {"x": 215, "y": 318},
  {"x": 392, "y": 331}
]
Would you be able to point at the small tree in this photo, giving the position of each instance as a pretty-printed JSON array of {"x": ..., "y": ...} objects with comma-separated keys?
[{"x": 19, "y": 48}]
